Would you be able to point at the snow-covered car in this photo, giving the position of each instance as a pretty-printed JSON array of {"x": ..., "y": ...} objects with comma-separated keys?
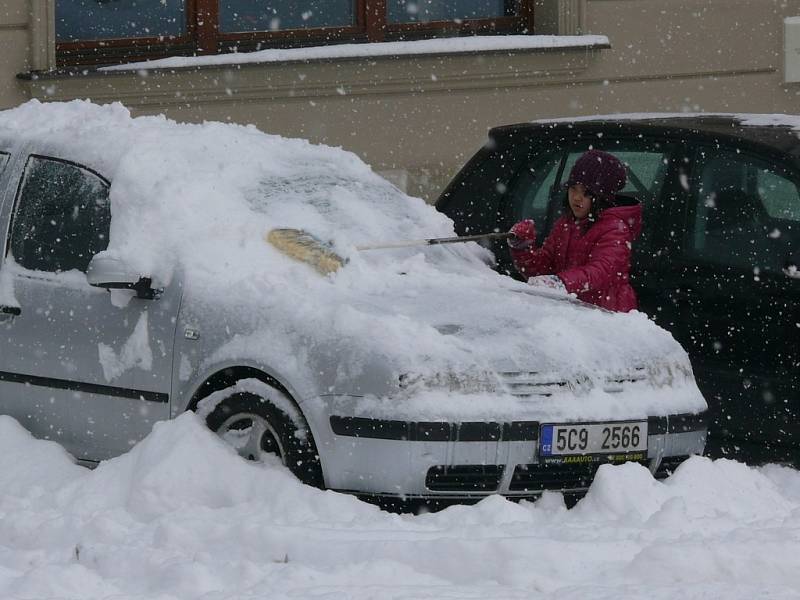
[{"x": 137, "y": 284}]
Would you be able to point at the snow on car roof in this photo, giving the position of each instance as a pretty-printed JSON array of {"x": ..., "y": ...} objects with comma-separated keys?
[
  {"x": 747, "y": 119},
  {"x": 198, "y": 199},
  {"x": 782, "y": 132}
]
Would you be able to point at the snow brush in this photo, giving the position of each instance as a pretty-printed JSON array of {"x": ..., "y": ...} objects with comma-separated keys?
[{"x": 303, "y": 246}]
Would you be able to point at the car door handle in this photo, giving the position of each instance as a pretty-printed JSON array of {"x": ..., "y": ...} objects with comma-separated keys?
[{"x": 9, "y": 312}]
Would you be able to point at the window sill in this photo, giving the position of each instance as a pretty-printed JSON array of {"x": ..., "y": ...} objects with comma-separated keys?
[
  {"x": 348, "y": 69},
  {"x": 435, "y": 47}
]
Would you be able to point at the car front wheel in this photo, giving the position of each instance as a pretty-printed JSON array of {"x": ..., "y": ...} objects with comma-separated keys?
[{"x": 259, "y": 431}]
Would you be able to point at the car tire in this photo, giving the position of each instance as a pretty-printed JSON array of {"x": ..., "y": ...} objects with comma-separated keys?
[{"x": 253, "y": 425}]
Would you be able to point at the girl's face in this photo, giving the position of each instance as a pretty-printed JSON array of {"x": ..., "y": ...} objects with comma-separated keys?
[{"x": 579, "y": 201}]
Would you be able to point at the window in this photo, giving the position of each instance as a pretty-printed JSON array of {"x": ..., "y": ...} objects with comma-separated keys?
[
  {"x": 253, "y": 16},
  {"x": 538, "y": 193},
  {"x": 108, "y": 31},
  {"x": 421, "y": 11},
  {"x": 62, "y": 216},
  {"x": 746, "y": 212},
  {"x": 89, "y": 20},
  {"x": 534, "y": 187},
  {"x": 3, "y": 161},
  {"x": 781, "y": 200},
  {"x": 474, "y": 200}
]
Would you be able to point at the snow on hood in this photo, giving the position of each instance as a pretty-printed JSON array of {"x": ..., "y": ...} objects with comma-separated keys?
[
  {"x": 200, "y": 199},
  {"x": 182, "y": 516}
]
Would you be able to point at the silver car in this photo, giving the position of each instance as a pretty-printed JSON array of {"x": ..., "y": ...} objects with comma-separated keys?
[{"x": 137, "y": 283}]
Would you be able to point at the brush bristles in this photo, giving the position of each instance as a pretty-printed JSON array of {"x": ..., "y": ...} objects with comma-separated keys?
[{"x": 301, "y": 245}]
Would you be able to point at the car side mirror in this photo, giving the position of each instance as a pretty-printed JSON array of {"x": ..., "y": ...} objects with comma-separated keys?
[{"x": 113, "y": 273}]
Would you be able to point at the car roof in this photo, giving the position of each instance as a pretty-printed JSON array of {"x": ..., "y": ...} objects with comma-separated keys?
[{"x": 780, "y": 132}]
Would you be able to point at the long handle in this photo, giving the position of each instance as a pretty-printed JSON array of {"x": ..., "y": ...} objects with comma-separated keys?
[{"x": 434, "y": 241}]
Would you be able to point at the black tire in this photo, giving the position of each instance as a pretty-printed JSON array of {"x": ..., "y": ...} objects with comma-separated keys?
[{"x": 265, "y": 428}]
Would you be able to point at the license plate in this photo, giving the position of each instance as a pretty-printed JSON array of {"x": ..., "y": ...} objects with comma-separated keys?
[{"x": 593, "y": 438}]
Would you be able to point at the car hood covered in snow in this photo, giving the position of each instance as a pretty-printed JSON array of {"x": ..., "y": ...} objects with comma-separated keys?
[{"x": 197, "y": 201}]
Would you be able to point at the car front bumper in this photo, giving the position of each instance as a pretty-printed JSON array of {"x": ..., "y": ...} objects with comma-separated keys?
[{"x": 470, "y": 460}]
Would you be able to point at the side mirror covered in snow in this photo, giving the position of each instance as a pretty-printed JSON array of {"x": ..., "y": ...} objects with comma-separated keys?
[{"x": 113, "y": 273}]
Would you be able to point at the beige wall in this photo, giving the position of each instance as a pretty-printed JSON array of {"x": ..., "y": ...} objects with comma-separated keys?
[
  {"x": 420, "y": 118},
  {"x": 14, "y": 50}
]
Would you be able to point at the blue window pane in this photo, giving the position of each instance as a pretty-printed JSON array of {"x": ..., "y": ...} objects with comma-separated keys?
[
  {"x": 274, "y": 15},
  {"x": 109, "y": 19},
  {"x": 421, "y": 11}
]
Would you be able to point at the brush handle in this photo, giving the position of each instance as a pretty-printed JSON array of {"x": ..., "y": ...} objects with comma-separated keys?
[{"x": 435, "y": 241}]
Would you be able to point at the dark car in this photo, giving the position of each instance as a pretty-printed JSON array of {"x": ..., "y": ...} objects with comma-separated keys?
[{"x": 716, "y": 263}]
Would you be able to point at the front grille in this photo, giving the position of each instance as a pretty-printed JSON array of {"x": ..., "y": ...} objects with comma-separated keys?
[
  {"x": 554, "y": 477},
  {"x": 532, "y": 383},
  {"x": 464, "y": 478}
]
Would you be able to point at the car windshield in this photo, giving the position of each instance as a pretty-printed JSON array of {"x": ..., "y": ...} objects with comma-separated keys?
[{"x": 343, "y": 213}]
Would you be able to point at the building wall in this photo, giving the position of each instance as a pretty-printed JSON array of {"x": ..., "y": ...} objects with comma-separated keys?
[
  {"x": 417, "y": 119},
  {"x": 14, "y": 50}
]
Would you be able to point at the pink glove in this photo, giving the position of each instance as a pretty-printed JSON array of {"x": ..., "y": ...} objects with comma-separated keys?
[
  {"x": 524, "y": 235},
  {"x": 551, "y": 282}
]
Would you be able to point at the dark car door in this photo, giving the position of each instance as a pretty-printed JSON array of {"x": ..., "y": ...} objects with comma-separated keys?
[{"x": 739, "y": 310}]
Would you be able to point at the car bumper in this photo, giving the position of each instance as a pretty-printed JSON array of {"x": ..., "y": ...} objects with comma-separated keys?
[{"x": 470, "y": 460}]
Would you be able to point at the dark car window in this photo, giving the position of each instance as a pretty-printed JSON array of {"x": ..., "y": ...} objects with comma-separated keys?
[
  {"x": 779, "y": 194},
  {"x": 746, "y": 212},
  {"x": 535, "y": 185},
  {"x": 62, "y": 216},
  {"x": 474, "y": 198},
  {"x": 538, "y": 191}
]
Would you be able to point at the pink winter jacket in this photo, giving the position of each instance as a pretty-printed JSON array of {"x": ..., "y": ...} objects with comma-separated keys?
[{"x": 592, "y": 262}]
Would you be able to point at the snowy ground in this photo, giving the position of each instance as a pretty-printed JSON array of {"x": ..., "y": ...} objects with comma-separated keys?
[{"x": 180, "y": 516}]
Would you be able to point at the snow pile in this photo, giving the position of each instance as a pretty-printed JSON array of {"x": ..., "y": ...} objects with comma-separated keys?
[{"x": 181, "y": 516}]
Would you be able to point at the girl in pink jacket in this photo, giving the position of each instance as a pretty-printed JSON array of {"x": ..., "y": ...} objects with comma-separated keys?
[{"x": 588, "y": 253}]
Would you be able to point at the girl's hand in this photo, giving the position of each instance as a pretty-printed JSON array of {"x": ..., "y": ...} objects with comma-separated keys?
[
  {"x": 551, "y": 282},
  {"x": 524, "y": 235}
]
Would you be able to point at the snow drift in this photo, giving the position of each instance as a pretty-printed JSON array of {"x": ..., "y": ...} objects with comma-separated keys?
[{"x": 182, "y": 516}]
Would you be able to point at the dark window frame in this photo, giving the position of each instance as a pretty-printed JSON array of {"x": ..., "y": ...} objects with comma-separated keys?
[{"x": 204, "y": 38}]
